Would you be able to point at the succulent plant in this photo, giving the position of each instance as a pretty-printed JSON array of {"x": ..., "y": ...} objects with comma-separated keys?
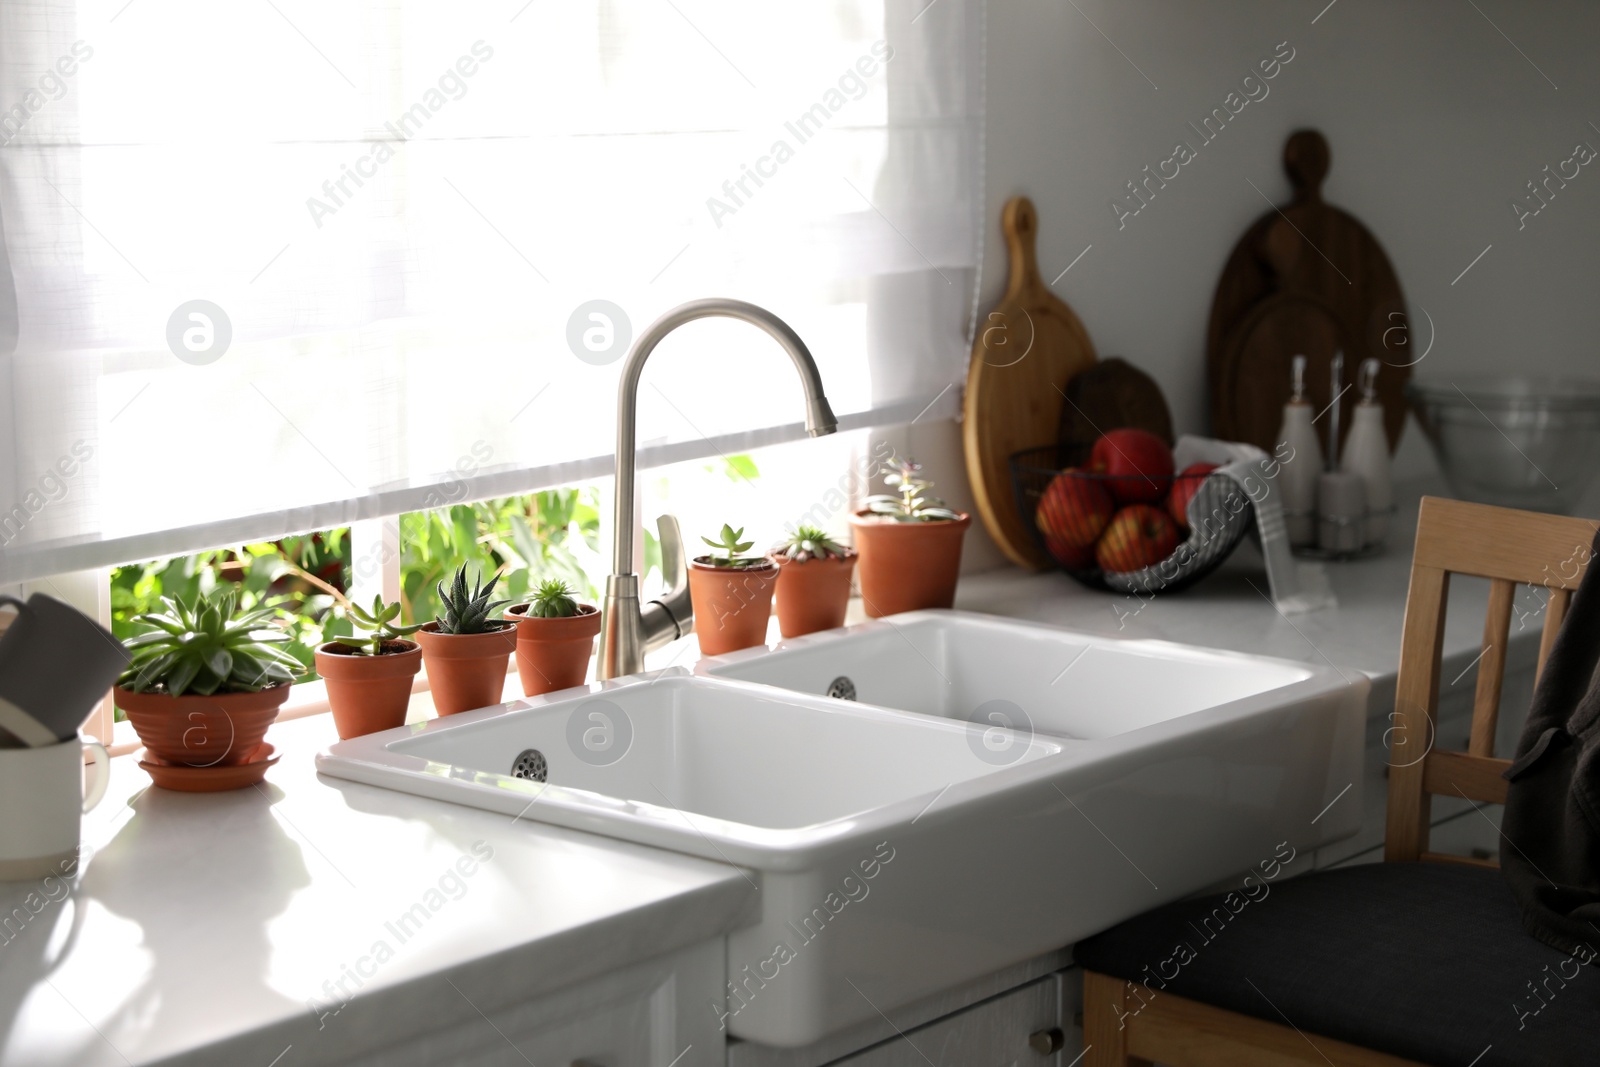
[
  {"x": 913, "y": 504},
  {"x": 463, "y": 611},
  {"x": 732, "y": 549},
  {"x": 553, "y": 600},
  {"x": 207, "y": 646},
  {"x": 810, "y": 542},
  {"x": 379, "y": 621}
]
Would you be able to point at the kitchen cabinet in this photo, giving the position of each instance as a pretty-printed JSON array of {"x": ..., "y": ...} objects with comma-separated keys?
[
  {"x": 1022, "y": 1028},
  {"x": 653, "y": 1014}
]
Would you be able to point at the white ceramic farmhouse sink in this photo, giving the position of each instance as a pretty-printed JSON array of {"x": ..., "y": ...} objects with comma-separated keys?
[
  {"x": 897, "y": 853},
  {"x": 747, "y": 774},
  {"x": 986, "y": 669}
]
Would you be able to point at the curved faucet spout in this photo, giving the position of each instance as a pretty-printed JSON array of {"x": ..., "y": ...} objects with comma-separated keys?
[
  {"x": 819, "y": 416},
  {"x": 626, "y": 633}
]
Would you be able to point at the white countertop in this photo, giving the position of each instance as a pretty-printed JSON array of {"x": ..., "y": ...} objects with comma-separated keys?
[
  {"x": 208, "y": 917},
  {"x": 204, "y": 917},
  {"x": 1229, "y": 610}
]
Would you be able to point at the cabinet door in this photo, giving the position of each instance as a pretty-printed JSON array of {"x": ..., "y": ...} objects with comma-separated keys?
[
  {"x": 649, "y": 1015},
  {"x": 997, "y": 1033}
]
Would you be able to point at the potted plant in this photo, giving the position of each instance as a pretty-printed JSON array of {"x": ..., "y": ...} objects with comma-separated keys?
[
  {"x": 464, "y": 650},
  {"x": 369, "y": 682},
  {"x": 813, "y": 588},
  {"x": 204, "y": 684},
  {"x": 910, "y": 545},
  {"x": 555, "y": 638},
  {"x": 731, "y": 595}
]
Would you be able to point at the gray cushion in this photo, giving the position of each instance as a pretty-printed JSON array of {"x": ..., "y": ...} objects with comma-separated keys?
[{"x": 1421, "y": 960}]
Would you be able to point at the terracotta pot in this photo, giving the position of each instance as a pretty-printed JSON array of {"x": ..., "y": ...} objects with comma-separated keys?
[
  {"x": 466, "y": 671},
  {"x": 813, "y": 594},
  {"x": 907, "y": 566},
  {"x": 202, "y": 731},
  {"x": 731, "y": 606},
  {"x": 554, "y": 653},
  {"x": 368, "y": 693}
]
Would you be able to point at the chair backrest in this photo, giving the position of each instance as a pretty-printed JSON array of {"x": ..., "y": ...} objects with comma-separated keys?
[{"x": 1509, "y": 548}]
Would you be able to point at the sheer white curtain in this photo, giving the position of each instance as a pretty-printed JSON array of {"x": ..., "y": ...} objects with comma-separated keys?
[{"x": 396, "y": 214}]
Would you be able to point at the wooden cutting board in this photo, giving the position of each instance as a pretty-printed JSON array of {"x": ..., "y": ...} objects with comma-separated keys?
[
  {"x": 1026, "y": 350},
  {"x": 1111, "y": 395},
  {"x": 1258, "y": 356},
  {"x": 1333, "y": 267}
]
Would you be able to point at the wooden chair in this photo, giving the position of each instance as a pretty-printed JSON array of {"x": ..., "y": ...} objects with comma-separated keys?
[{"x": 1228, "y": 1014}]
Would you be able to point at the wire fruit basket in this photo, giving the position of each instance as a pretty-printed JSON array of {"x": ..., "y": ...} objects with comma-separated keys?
[{"x": 1052, "y": 493}]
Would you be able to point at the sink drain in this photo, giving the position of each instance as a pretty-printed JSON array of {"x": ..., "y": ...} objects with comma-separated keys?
[
  {"x": 842, "y": 688},
  {"x": 530, "y": 764}
]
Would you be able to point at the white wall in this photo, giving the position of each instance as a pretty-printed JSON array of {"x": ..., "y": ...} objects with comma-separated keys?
[{"x": 1435, "y": 120}]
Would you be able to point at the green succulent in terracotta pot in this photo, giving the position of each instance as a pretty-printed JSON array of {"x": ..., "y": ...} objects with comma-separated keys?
[
  {"x": 466, "y": 650},
  {"x": 731, "y": 594},
  {"x": 206, "y": 680},
  {"x": 910, "y": 544},
  {"x": 813, "y": 590},
  {"x": 555, "y": 638},
  {"x": 369, "y": 680}
]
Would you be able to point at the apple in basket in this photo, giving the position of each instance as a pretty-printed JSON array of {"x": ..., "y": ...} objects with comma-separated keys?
[
  {"x": 1071, "y": 555},
  {"x": 1139, "y": 463},
  {"x": 1139, "y": 536},
  {"x": 1184, "y": 487},
  {"x": 1072, "y": 514}
]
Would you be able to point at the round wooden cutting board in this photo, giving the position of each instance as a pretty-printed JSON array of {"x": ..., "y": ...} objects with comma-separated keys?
[{"x": 1026, "y": 350}]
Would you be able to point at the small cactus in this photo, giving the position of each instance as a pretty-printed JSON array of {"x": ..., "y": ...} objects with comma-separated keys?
[{"x": 552, "y": 601}]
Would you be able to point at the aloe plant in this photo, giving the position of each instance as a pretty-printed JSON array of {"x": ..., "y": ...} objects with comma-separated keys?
[
  {"x": 732, "y": 549},
  {"x": 810, "y": 542},
  {"x": 207, "y": 646},
  {"x": 464, "y": 611},
  {"x": 381, "y": 622},
  {"x": 914, "y": 504},
  {"x": 552, "y": 600}
]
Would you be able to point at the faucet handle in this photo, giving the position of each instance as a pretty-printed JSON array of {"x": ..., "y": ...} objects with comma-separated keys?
[
  {"x": 674, "y": 561},
  {"x": 671, "y": 615}
]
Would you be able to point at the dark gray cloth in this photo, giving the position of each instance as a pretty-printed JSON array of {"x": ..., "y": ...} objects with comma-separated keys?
[
  {"x": 1551, "y": 855},
  {"x": 1426, "y": 961}
]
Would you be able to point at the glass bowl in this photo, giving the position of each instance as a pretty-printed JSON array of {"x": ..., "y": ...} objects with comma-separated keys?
[{"x": 1519, "y": 442}]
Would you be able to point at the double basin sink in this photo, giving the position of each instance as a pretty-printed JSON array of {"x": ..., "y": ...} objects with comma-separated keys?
[{"x": 922, "y": 799}]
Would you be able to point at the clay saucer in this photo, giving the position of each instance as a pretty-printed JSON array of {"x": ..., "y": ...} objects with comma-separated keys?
[{"x": 209, "y": 779}]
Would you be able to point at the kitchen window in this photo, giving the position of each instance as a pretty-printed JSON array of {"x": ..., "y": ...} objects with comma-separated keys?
[{"x": 295, "y": 267}]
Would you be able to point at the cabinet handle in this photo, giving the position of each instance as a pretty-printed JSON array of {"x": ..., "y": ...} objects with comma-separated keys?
[{"x": 1047, "y": 1041}]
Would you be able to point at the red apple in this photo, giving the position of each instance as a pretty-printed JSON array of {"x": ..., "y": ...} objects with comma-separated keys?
[
  {"x": 1072, "y": 557},
  {"x": 1139, "y": 463},
  {"x": 1139, "y": 536},
  {"x": 1184, "y": 487},
  {"x": 1073, "y": 511}
]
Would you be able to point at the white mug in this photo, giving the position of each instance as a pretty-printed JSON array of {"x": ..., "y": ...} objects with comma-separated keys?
[{"x": 43, "y": 797}]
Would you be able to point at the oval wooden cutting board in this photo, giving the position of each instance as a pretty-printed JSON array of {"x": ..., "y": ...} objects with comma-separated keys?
[
  {"x": 1257, "y": 364},
  {"x": 1313, "y": 251},
  {"x": 1026, "y": 350}
]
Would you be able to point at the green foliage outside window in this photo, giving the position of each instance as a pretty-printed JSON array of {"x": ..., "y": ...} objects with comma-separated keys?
[{"x": 303, "y": 580}]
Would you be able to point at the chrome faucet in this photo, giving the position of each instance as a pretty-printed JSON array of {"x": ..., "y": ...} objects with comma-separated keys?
[{"x": 627, "y": 630}]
